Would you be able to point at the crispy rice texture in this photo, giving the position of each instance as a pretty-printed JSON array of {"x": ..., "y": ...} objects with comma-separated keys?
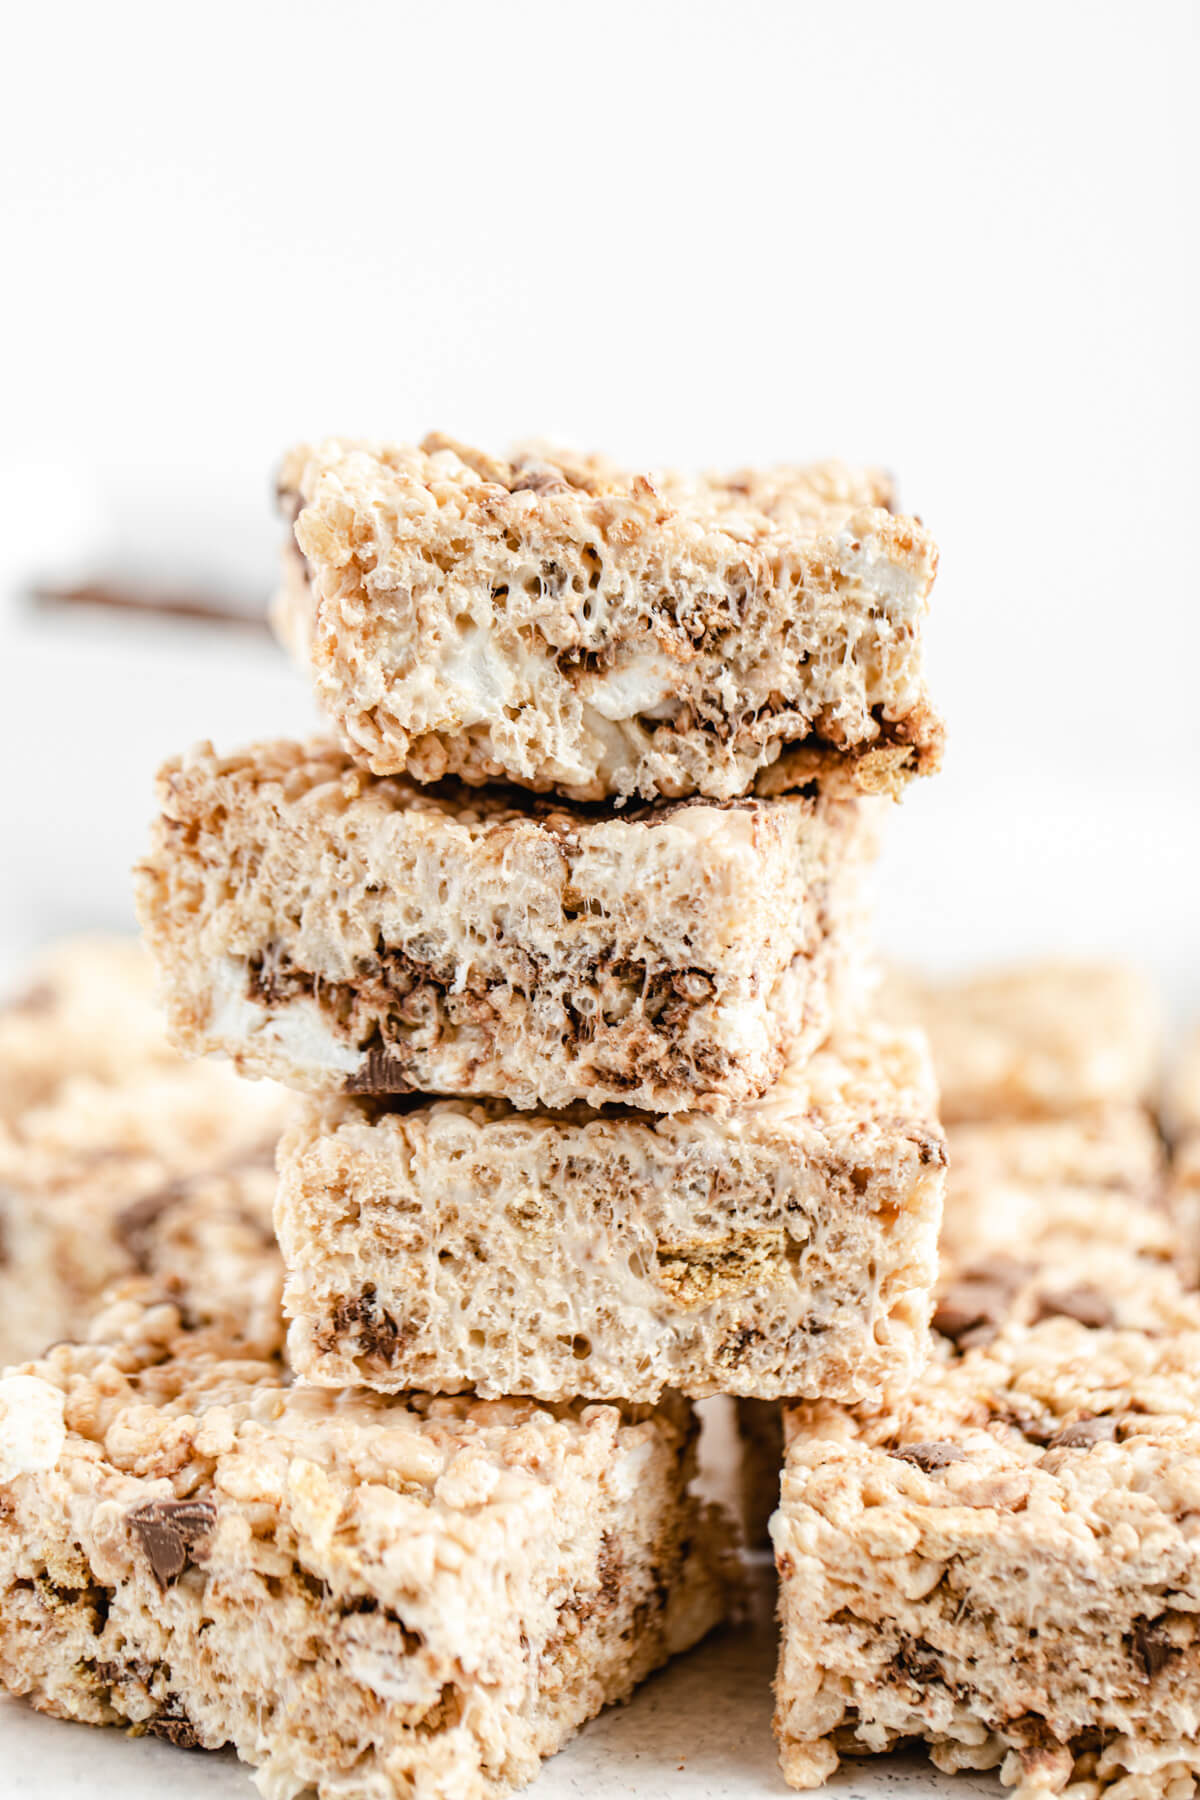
[
  {"x": 790, "y": 1249},
  {"x": 116, "y": 1157},
  {"x": 402, "y": 1598},
  {"x": 1001, "y": 1562},
  {"x": 558, "y": 622},
  {"x": 1039, "y": 1213},
  {"x": 1003, "y": 1566},
  {"x": 1104, "y": 1147},
  {"x": 1037, "y": 1040},
  {"x": 348, "y": 933}
]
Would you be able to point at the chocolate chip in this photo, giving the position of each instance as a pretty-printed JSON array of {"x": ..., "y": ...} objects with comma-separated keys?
[
  {"x": 1035, "y": 1743},
  {"x": 379, "y": 1074},
  {"x": 967, "y": 1311},
  {"x": 931, "y": 1456},
  {"x": 169, "y": 1531},
  {"x": 917, "y": 1662},
  {"x": 958, "y": 1314},
  {"x": 972, "y": 1308},
  {"x": 1082, "y": 1304},
  {"x": 1039, "y": 1428},
  {"x": 931, "y": 1150},
  {"x": 379, "y": 1339},
  {"x": 1150, "y": 1648},
  {"x": 134, "y": 1224},
  {"x": 173, "y": 1724},
  {"x": 1084, "y": 1433}
]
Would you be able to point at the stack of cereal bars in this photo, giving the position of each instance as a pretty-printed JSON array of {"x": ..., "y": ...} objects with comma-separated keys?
[{"x": 561, "y": 936}]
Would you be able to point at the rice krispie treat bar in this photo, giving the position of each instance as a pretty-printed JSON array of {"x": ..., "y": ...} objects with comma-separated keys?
[
  {"x": 346, "y": 933},
  {"x": 787, "y": 1250},
  {"x": 116, "y": 1157},
  {"x": 1040, "y": 1215},
  {"x": 1001, "y": 1562},
  {"x": 412, "y": 1598},
  {"x": 1036, "y": 1040},
  {"x": 1003, "y": 1565},
  {"x": 558, "y": 622}
]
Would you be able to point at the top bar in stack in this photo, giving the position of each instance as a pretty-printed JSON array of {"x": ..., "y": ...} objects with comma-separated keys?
[{"x": 556, "y": 622}]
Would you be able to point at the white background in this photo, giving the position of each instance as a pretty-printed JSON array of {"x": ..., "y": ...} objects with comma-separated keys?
[{"x": 959, "y": 240}]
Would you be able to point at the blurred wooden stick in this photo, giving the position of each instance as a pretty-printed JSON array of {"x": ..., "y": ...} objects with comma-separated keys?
[{"x": 208, "y": 609}]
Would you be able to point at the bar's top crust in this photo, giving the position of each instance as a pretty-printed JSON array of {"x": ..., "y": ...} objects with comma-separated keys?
[
  {"x": 151, "y": 1398},
  {"x": 1110, "y": 1147},
  {"x": 1051, "y": 1422},
  {"x": 749, "y": 504},
  {"x": 318, "y": 774}
]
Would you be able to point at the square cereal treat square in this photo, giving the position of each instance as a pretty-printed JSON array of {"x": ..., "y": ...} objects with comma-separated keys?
[
  {"x": 1002, "y": 1565},
  {"x": 1001, "y": 1562},
  {"x": 407, "y": 1598},
  {"x": 559, "y": 622}
]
